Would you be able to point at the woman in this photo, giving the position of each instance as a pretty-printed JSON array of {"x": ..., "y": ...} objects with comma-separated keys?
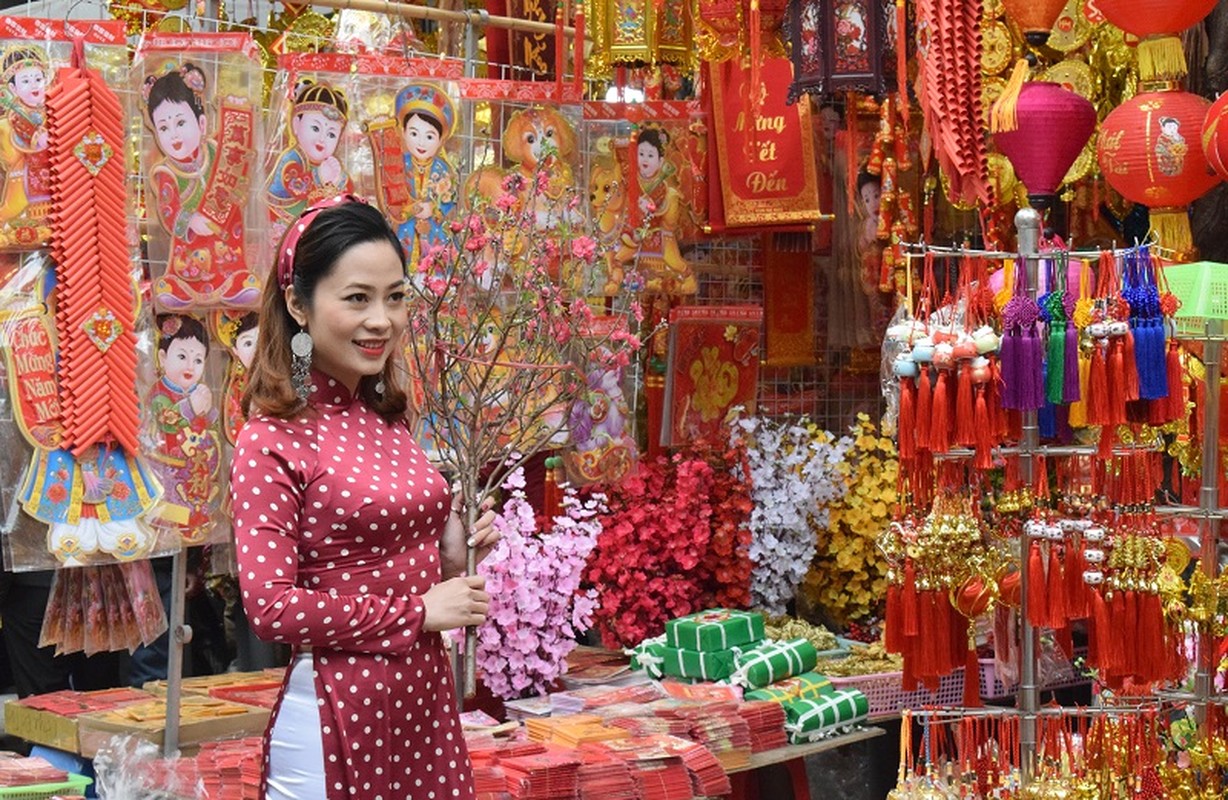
[{"x": 349, "y": 543}]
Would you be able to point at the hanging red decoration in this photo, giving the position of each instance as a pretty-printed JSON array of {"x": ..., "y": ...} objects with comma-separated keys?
[
  {"x": 1156, "y": 23},
  {"x": 837, "y": 46},
  {"x": 1052, "y": 126},
  {"x": 1150, "y": 153},
  {"x": 1034, "y": 17},
  {"x": 1215, "y": 136}
]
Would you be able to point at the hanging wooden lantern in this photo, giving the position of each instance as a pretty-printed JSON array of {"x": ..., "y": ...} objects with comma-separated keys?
[
  {"x": 1215, "y": 136},
  {"x": 1052, "y": 126},
  {"x": 1156, "y": 23},
  {"x": 1150, "y": 151},
  {"x": 1034, "y": 17},
  {"x": 836, "y": 46}
]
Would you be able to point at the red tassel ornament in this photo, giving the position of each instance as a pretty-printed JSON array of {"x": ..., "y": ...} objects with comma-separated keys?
[
  {"x": 965, "y": 427},
  {"x": 907, "y": 424}
]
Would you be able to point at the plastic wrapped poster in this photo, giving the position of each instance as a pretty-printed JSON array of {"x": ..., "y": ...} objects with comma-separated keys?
[
  {"x": 526, "y": 155},
  {"x": 200, "y": 105},
  {"x": 31, "y": 51},
  {"x": 600, "y": 424},
  {"x": 66, "y": 509},
  {"x": 328, "y": 111},
  {"x": 647, "y": 192},
  {"x": 182, "y": 428},
  {"x": 236, "y": 332}
]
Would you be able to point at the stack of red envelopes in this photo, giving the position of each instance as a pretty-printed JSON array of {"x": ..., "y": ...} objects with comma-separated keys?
[
  {"x": 766, "y": 721},
  {"x": 542, "y": 776}
]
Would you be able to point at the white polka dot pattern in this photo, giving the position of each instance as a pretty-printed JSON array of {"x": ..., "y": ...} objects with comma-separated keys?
[{"x": 337, "y": 518}]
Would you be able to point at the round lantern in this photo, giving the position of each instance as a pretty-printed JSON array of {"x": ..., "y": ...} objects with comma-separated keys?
[
  {"x": 1034, "y": 17},
  {"x": 1052, "y": 126},
  {"x": 1150, "y": 151},
  {"x": 1155, "y": 22},
  {"x": 1215, "y": 136}
]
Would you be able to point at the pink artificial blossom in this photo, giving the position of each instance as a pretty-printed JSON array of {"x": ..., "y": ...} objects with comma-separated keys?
[
  {"x": 584, "y": 248},
  {"x": 505, "y": 202}
]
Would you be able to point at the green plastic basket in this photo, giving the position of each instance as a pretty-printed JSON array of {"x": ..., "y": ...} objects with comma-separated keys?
[
  {"x": 74, "y": 784},
  {"x": 1202, "y": 288}
]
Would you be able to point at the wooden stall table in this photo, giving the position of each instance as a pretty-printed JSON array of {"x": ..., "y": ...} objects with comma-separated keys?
[{"x": 793, "y": 757}]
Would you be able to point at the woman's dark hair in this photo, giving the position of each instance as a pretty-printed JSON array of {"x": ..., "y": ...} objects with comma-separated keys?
[
  {"x": 865, "y": 178},
  {"x": 331, "y": 233},
  {"x": 427, "y": 118},
  {"x": 173, "y": 327},
  {"x": 173, "y": 88},
  {"x": 655, "y": 137}
]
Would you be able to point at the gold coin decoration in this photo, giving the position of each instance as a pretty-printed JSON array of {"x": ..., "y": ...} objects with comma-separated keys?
[
  {"x": 991, "y": 89},
  {"x": 992, "y": 9},
  {"x": 1083, "y": 164},
  {"x": 1002, "y": 179},
  {"x": 1074, "y": 75},
  {"x": 310, "y": 32},
  {"x": 1072, "y": 29},
  {"x": 997, "y": 49}
]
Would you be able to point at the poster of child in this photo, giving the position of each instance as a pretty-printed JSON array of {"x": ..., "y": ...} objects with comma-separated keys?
[
  {"x": 237, "y": 333},
  {"x": 183, "y": 428},
  {"x": 603, "y": 449},
  {"x": 654, "y": 214},
  {"x": 427, "y": 120},
  {"x": 24, "y": 161},
  {"x": 195, "y": 192},
  {"x": 309, "y": 169}
]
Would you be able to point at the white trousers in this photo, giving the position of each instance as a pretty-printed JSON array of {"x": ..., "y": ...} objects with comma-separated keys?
[{"x": 296, "y": 749}]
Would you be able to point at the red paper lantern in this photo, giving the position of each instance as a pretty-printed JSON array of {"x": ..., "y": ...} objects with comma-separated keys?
[
  {"x": 1215, "y": 136},
  {"x": 1150, "y": 151},
  {"x": 1053, "y": 125},
  {"x": 1160, "y": 54},
  {"x": 1034, "y": 17}
]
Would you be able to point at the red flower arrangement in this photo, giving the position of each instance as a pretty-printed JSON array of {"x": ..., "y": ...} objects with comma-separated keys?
[{"x": 675, "y": 540}]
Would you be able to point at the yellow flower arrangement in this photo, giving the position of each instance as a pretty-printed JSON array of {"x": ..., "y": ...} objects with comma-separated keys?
[{"x": 847, "y": 580}]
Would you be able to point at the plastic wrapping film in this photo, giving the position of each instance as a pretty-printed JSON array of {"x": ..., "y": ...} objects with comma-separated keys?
[
  {"x": 60, "y": 510},
  {"x": 128, "y": 767}
]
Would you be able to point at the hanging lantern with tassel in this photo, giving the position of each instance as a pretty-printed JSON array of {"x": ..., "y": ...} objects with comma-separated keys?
[
  {"x": 1149, "y": 151},
  {"x": 837, "y": 47},
  {"x": 1156, "y": 23},
  {"x": 1215, "y": 136},
  {"x": 1041, "y": 128},
  {"x": 1034, "y": 17}
]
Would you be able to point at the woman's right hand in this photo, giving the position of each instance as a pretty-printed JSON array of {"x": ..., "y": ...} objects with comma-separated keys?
[{"x": 456, "y": 603}]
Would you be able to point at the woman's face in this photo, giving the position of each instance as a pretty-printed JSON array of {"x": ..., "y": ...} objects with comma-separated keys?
[
  {"x": 357, "y": 314},
  {"x": 178, "y": 130},
  {"x": 648, "y": 158},
  {"x": 183, "y": 363},
  {"x": 422, "y": 141},
  {"x": 317, "y": 135},
  {"x": 245, "y": 346},
  {"x": 30, "y": 85},
  {"x": 871, "y": 198}
]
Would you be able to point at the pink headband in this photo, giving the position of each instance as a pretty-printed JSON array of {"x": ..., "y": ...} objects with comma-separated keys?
[{"x": 289, "y": 243}]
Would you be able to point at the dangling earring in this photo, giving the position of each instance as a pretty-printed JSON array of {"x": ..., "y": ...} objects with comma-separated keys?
[
  {"x": 379, "y": 387},
  {"x": 300, "y": 363}
]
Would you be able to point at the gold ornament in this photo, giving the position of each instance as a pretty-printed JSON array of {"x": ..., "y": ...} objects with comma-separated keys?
[
  {"x": 1083, "y": 164},
  {"x": 992, "y": 9},
  {"x": 1074, "y": 75},
  {"x": 992, "y": 87},
  {"x": 1071, "y": 30},
  {"x": 997, "y": 47}
]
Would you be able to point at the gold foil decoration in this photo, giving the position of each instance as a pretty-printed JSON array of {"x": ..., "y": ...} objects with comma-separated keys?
[
  {"x": 1074, "y": 75},
  {"x": 1072, "y": 29},
  {"x": 997, "y": 48},
  {"x": 310, "y": 32},
  {"x": 642, "y": 31}
]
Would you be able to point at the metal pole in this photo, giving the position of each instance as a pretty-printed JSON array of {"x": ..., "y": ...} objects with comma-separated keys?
[
  {"x": 179, "y": 635},
  {"x": 1027, "y": 224},
  {"x": 1208, "y": 504}
]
